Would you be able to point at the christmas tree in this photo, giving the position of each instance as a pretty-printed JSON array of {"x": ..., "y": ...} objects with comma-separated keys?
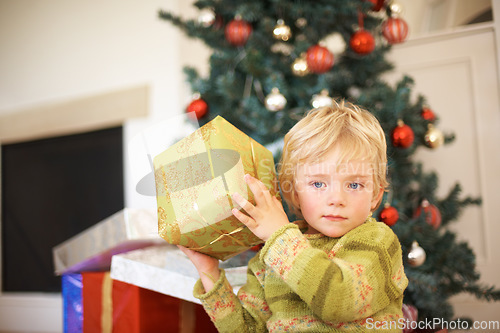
[{"x": 272, "y": 61}]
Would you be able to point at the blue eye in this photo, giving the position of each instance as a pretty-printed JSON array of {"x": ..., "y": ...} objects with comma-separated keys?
[
  {"x": 317, "y": 184},
  {"x": 354, "y": 186}
]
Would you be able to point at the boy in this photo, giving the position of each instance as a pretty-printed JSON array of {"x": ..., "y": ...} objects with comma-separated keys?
[{"x": 338, "y": 269}]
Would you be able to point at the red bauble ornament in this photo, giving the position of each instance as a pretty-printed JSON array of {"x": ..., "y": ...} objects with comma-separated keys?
[
  {"x": 395, "y": 30},
  {"x": 377, "y": 4},
  {"x": 362, "y": 42},
  {"x": 319, "y": 59},
  {"x": 198, "y": 106},
  {"x": 238, "y": 31},
  {"x": 432, "y": 213},
  {"x": 389, "y": 215},
  {"x": 402, "y": 135},
  {"x": 428, "y": 114}
]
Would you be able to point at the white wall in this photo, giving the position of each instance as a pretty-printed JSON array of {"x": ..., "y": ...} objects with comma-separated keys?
[{"x": 57, "y": 50}]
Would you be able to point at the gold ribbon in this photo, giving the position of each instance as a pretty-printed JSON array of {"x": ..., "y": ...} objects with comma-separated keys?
[
  {"x": 107, "y": 304},
  {"x": 253, "y": 159},
  {"x": 222, "y": 235},
  {"x": 228, "y": 235}
]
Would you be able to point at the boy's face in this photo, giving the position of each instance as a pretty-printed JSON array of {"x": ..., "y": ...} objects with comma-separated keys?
[{"x": 335, "y": 197}]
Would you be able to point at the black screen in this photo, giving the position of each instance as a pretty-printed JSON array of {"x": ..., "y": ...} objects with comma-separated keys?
[{"x": 53, "y": 189}]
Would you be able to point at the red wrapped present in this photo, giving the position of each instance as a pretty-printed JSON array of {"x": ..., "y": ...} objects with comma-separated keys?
[{"x": 111, "y": 306}]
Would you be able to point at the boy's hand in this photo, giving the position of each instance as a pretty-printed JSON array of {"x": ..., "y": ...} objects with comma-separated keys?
[
  {"x": 266, "y": 216},
  {"x": 207, "y": 267}
]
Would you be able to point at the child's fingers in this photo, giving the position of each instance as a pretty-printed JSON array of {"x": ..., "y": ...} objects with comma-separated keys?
[
  {"x": 259, "y": 190},
  {"x": 265, "y": 192},
  {"x": 246, "y": 220},
  {"x": 245, "y": 204},
  {"x": 255, "y": 188}
]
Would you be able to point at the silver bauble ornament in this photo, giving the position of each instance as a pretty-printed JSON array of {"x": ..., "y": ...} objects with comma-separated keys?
[
  {"x": 206, "y": 17},
  {"x": 336, "y": 43},
  {"x": 299, "y": 67},
  {"x": 282, "y": 31},
  {"x": 322, "y": 99},
  {"x": 275, "y": 101},
  {"x": 416, "y": 256},
  {"x": 434, "y": 138}
]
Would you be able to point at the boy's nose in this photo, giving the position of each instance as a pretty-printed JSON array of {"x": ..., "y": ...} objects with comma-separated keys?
[{"x": 336, "y": 195}]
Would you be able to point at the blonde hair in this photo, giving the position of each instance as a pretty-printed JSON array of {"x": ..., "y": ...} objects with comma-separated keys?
[{"x": 355, "y": 131}]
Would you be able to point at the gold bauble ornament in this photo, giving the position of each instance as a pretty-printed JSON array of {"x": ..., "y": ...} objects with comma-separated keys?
[
  {"x": 282, "y": 31},
  {"x": 299, "y": 67},
  {"x": 275, "y": 101},
  {"x": 434, "y": 138},
  {"x": 396, "y": 8}
]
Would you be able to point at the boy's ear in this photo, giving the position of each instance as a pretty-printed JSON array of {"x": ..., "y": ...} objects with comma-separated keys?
[
  {"x": 377, "y": 198},
  {"x": 296, "y": 199}
]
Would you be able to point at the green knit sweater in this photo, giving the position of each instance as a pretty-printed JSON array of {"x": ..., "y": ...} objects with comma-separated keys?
[{"x": 314, "y": 283}]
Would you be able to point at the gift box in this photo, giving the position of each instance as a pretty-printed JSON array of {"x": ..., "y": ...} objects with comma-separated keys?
[
  {"x": 71, "y": 289},
  {"x": 110, "y": 306},
  {"x": 195, "y": 179},
  {"x": 92, "y": 249},
  {"x": 166, "y": 270}
]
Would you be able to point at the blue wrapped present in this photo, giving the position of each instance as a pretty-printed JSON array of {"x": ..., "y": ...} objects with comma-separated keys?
[{"x": 72, "y": 303}]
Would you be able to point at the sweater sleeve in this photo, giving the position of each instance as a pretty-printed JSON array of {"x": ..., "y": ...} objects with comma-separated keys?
[
  {"x": 361, "y": 275},
  {"x": 245, "y": 312}
]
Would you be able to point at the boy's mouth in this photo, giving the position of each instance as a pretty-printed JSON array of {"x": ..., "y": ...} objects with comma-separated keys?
[{"x": 334, "y": 218}]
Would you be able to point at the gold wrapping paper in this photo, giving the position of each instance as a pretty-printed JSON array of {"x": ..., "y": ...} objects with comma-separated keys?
[{"x": 194, "y": 182}]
